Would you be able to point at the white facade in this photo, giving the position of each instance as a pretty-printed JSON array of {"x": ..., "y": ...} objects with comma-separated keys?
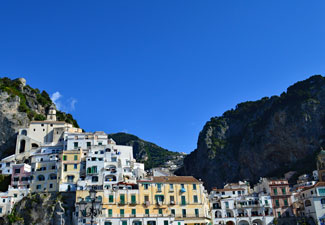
[
  {"x": 313, "y": 200},
  {"x": 6, "y": 165},
  {"x": 235, "y": 207}
]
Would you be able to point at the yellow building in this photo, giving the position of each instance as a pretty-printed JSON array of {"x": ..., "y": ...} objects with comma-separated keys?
[
  {"x": 44, "y": 171},
  {"x": 69, "y": 169},
  {"x": 180, "y": 199}
]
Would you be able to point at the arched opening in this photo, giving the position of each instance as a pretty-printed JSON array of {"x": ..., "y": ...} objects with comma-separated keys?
[
  {"x": 242, "y": 213},
  {"x": 110, "y": 178},
  {"x": 34, "y": 145},
  {"x": 22, "y": 146},
  {"x": 229, "y": 213},
  {"x": 230, "y": 223},
  {"x": 243, "y": 222},
  {"x": 70, "y": 178},
  {"x": 24, "y": 132},
  {"x": 257, "y": 222},
  {"x": 218, "y": 214},
  {"x": 40, "y": 178}
]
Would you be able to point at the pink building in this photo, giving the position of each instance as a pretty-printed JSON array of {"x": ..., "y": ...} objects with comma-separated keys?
[
  {"x": 21, "y": 176},
  {"x": 281, "y": 197}
]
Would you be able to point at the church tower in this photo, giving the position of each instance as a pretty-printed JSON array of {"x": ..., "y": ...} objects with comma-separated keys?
[
  {"x": 321, "y": 166},
  {"x": 51, "y": 116}
]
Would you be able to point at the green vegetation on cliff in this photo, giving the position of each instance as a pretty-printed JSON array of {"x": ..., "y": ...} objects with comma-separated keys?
[
  {"x": 148, "y": 153},
  {"x": 15, "y": 88}
]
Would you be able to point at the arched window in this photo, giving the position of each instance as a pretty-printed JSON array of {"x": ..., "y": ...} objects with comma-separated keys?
[
  {"x": 22, "y": 146},
  {"x": 34, "y": 145},
  {"x": 307, "y": 203},
  {"x": 40, "y": 178},
  {"x": 322, "y": 201},
  {"x": 24, "y": 132},
  {"x": 94, "y": 179}
]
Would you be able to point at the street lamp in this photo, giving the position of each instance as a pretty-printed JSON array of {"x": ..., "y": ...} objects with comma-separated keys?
[{"x": 91, "y": 208}]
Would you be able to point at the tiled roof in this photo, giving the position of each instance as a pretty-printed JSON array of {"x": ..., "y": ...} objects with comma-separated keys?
[{"x": 171, "y": 179}]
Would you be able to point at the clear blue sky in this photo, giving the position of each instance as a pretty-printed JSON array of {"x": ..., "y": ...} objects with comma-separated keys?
[{"x": 160, "y": 69}]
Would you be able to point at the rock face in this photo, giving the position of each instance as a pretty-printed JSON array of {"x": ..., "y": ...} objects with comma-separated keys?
[
  {"x": 42, "y": 209},
  {"x": 262, "y": 138},
  {"x": 148, "y": 153},
  {"x": 19, "y": 104}
]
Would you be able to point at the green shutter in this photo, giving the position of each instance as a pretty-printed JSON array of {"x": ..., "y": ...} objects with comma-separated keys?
[
  {"x": 122, "y": 212},
  {"x": 195, "y": 199},
  {"x": 124, "y": 222},
  {"x": 75, "y": 157},
  {"x": 147, "y": 211},
  {"x": 111, "y": 198},
  {"x": 160, "y": 211},
  {"x": 64, "y": 157},
  {"x": 275, "y": 191},
  {"x": 277, "y": 203},
  {"x": 196, "y": 212},
  {"x": 122, "y": 199},
  {"x": 283, "y": 190},
  {"x": 194, "y": 186},
  {"x": 165, "y": 222},
  {"x": 183, "y": 200},
  {"x": 133, "y": 199},
  {"x": 134, "y": 212},
  {"x": 110, "y": 212}
]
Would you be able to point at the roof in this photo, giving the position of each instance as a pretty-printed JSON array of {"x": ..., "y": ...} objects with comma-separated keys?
[
  {"x": 48, "y": 121},
  {"x": 318, "y": 184},
  {"x": 171, "y": 179},
  {"x": 228, "y": 189}
]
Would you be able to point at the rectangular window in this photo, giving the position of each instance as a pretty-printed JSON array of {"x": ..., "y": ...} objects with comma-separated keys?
[
  {"x": 266, "y": 202},
  {"x": 75, "y": 166},
  {"x": 0, "y": 210},
  {"x": 159, "y": 187},
  {"x": 75, "y": 144},
  {"x": 124, "y": 222},
  {"x": 277, "y": 203},
  {"x": 184, "y": 212},
  {"x": 122, "y": 198},
  {"x": 122, "y": 212},
  {"x": 38, "y": 186},
  {"x": 165, "y": 222},
  {"x": 172, "y": 211},
  {"x": 285, "y": 201},
  {"x": 110, "y": 212},
  {"x": 75, "y": 157},
  {"x": 275, "y": 191},
  {"x": 146, "y": 198},
  {"x": 183, "y": 200},
  {"x": 111, "y": 198},
  {"x": 160, "y": 211},
  {"x": 227, "y": 204},
  {"x": 88, "y": 144},
  {"x": 196, "y": 212},
  {"x": 194, "y": 186},
  {"x": 17, "y": 170},
  {"x": 182, "y": 186},
  {"x": 321, "y": 191},
  {"x": 133, "y": 199},
  {"x": 65, "y": 167},
  {"x": 64, "y": 157},
  {"x": 283, "y": 191},
  {"x": 51, "y": 185},
  {"x": 134, "y": 211},
  {"x": 172, "y": 199},
  {"x": 195, "y": 199},
  {"x": 145, "y": 186},
  {"x": 147, "y": 211}
]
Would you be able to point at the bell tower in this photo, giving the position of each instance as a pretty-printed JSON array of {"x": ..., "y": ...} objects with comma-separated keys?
[
  {"x": 321, "y": 166},
  {"x": 51, "y": 116}
]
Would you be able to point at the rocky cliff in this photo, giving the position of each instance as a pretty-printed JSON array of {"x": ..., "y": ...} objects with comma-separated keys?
[{"x": 267, "y": 137}]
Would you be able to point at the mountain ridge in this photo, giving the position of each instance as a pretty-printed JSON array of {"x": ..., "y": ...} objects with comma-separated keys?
[{"x": 267, "y": 137}]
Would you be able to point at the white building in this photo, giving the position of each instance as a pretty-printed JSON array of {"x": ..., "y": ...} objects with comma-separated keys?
[
  {"x": 236, "y": 207},
  {"x": 6, "y": 165},
  {"x": 313, "y": 200}
]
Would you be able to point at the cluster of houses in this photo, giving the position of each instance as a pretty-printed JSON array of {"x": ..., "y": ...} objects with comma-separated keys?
[{"x": 54, "y": 156}]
